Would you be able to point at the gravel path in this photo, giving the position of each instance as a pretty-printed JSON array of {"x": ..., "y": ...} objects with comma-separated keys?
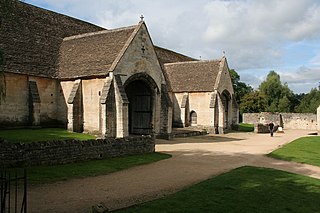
[{"x": 194, "y": 159}]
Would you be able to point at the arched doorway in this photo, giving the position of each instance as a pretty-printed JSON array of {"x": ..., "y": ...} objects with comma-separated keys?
[
  {"x": 193, "y": 118},
  {"x": 226, "y": 99},
  {"x": 141, "y": 97}
]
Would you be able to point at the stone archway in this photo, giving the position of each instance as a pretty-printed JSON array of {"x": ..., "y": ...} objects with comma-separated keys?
[
  {"x": 140, "y": 90},
  {"x": 226, "y": 102}
]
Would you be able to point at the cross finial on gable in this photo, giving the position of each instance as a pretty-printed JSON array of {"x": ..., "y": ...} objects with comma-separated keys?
[
  {"x": 224, "y": 53},
  {"x": 141, "y": 18}
]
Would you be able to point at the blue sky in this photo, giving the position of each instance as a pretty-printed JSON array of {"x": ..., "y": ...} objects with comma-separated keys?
[{"x": 256, "y": 35}]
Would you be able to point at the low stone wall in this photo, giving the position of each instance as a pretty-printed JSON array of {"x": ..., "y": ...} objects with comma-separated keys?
[
  {"x": 264, "y": 128},
  {"x": 68, "y": 151},
  {"x": 307, "y": 121}
]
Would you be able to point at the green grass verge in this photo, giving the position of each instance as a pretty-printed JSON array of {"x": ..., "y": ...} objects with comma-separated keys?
[
  {"x": 33, "y": 135},
  {"x": 303, "y": 150},
  {"x": 244, "y": 127},
  {"x": 246, "y": 189},
  {"x": 47, "y": 174}
]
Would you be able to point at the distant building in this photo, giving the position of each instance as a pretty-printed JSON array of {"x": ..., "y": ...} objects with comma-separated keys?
[{"x": 60, "y": 71}]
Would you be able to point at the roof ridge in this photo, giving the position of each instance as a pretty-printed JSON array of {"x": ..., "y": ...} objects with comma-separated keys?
[
  {"x": 193, "y": 62},
  {"x": 99, "y": 33},
  {"x": 172, "y": 51}
]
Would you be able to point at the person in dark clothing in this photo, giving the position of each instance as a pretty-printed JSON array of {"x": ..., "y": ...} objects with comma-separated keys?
[{"x": 271, "y": 126}]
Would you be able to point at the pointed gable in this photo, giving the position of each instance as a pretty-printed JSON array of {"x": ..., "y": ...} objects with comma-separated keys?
[
  {"x": 193, "y": 76},
  {"x": 92, "y": 54}
]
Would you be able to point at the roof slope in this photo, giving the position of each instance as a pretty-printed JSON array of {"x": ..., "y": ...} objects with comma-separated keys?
[
  {"x": 168, "y": 56},
  {"x": 194, "y": 76},
  {"x": 30, "y": 38},
  {"x": 92, "y": 54}
]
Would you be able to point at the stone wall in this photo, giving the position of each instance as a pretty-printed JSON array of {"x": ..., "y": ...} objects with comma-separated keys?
[
  {"x": 91, "y": 90},
  {"x": 307, "y": 121},
  {"x": 199, "y": 102},
  {"x": 68, "y": 151},
  {"x": 15, "y": 109}
]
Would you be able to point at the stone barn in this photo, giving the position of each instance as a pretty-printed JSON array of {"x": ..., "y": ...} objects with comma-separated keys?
[
  {"x": 202, "y": 95},
  {"x": 113, "y": 83},
  {"x": 61, "y": 71}
]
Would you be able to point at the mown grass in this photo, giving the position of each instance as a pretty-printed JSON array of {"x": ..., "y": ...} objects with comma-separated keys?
[
  {"x": 47, "y": 174},
  {"x": 34, "y": 135},
  {"x": 246, "y": 189},
  {"x": 244, "y": 127},
  {"x": 303, "y": 150}
]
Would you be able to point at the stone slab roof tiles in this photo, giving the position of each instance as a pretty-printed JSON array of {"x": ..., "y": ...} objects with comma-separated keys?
[
  {"x": 193, "y": 76},
  {"x": 92, "y": 54},
  {"x": 30, "y": 38},
  {"x": 168, "y": 56}
]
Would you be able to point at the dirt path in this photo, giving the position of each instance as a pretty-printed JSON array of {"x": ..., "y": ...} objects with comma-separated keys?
[{"x": 194, "y": 159}]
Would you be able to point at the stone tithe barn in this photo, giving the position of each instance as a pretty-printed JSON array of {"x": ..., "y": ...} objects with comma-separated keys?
[
  {"x": 203, "y": 95},
  {"x": 60, "y": 71}
]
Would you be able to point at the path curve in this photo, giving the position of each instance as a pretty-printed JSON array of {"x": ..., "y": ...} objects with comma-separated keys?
[{"x": 193, "y": 160}]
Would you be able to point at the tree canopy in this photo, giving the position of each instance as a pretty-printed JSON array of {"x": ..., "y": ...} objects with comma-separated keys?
[
  {"x": 240, "y": 88},
  {"x": 309, "y": 102},
  {"x": 274, "y": 96}
]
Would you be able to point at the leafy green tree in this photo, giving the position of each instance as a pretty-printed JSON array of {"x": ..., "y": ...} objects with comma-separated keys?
[
  {"x": 271, "y": 88},
  {"x": 240, "y": 88},
  {"x": 284, "y": 104},
  {"x": 253, "y": 102},
  {"x": 310, "y": 102},
  {"x": 279, "y": 97}
]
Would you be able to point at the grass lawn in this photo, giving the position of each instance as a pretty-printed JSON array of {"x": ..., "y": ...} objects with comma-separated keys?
[
  {"x": 303, "y": 150},
  {"x": 32, "y": 135},
  {"x": 46, "y": 174},
  {"x": 246, "y": 189},
  {"x": 244, "y": 127}
]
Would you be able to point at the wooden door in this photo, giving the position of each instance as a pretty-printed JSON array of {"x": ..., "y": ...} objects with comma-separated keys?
[{"x": 141, "y": 114}]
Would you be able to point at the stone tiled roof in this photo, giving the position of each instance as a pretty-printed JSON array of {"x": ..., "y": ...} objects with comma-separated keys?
[
  {"x": 30, "y": 38},
  {"x": 92, "y": 54},
  {"x": 193, "y": 76},
  {"x": 168, "y": 56}
]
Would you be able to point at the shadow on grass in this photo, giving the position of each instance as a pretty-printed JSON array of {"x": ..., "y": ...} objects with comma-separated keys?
[{"x": 245, "y": 189}]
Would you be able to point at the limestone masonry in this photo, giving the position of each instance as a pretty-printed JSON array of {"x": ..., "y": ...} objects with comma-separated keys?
[{"x": 60, "y": 71}]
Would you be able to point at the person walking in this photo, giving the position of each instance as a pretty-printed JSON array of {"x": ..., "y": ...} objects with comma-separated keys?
[{"x": 271, "y": 126}]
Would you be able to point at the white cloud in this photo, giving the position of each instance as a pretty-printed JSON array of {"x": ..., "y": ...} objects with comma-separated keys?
[
  {"x": 302, "y": 75},
  {"x": 254, "y": 33}
]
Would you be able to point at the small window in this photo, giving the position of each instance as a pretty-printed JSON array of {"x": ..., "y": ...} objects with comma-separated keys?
[
  {"x": 193, "y": 118},
  {"x": 99, "y": 93}
]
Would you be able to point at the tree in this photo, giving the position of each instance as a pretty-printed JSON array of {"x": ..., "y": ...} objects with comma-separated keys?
[
  {"x": 310, "y": 102},
  {"x": 279, "y": 97},
  {"x": 240, "y": 88},
  {"x": 284, "y": 104},
  {"x": 253, "y": 102},
  {"x": 271, "y": 88}
]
